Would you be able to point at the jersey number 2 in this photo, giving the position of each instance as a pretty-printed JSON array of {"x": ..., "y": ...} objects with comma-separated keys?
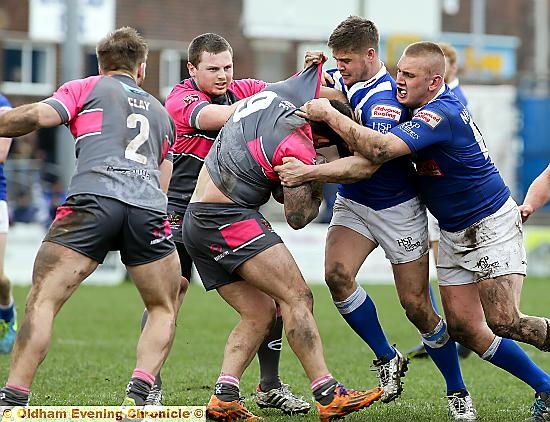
[{"x": 142, "y": 136}]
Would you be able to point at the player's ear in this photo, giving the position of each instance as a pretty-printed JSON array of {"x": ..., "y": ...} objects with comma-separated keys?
[{"x": 192, "y": 69}]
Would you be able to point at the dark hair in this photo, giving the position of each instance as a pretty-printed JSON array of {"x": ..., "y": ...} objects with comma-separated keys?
[
  {"x": 323, "y": 129},
  {"x": 209, "y": 42},
  {"x": 354, "y": 34},
  {"x": 122, "y": 49}
]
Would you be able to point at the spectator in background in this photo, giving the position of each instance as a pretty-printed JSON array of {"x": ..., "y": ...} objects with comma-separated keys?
[
  {"x": 54, "y": 196},
  {"x": 537, "y": 196},
  {"x": 24, "y": 210},
  {"x": 8, "y": 321}
]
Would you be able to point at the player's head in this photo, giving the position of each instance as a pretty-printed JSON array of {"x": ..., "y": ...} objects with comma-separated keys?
[
  {"x": 451, "y": 65},
  {"x": 419, "y": 73},
  {"x": 125, "y": 50},
  {"x": 210, "y": 63},
  {"x": 323, "y": 134},
  {"x": 354, "y": 44}
]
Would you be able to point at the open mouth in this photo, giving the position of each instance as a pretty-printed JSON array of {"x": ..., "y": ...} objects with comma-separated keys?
[{"x": 401, "y": 91}]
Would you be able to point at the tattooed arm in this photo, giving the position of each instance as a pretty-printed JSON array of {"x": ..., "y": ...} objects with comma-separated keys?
[
  {"x": 375, "y": 146},
  {"x": 27, "y": 118}
]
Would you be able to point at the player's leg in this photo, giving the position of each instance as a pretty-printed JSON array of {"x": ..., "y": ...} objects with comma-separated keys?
[
  {"x": 467, "y": 324},
  {"x": 8, "y": 317},
  {"x": 155, "y": 397},
  {"x": 348, "y": 244},
  {"x": 275, "y": 272},
  {"x": 411, "y": 280},
  {"x": 57, "y": 272},
  {"x": 158, "y": 283}
]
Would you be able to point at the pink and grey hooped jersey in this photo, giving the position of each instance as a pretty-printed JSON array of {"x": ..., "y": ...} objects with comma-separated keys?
[
  {"x": 184, "y": 104},
  {"x": 262, "y": 131},
  {"x": 458, "y": 182},
  {"x": 376, "y": 107},
  {"x": 122, "y": 134}
]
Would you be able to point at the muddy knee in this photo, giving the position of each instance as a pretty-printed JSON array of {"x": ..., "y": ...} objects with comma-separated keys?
[{"x": 340, "y": 282}]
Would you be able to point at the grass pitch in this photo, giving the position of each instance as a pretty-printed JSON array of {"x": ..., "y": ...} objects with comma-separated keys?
[{"x": 92, "y": 355}]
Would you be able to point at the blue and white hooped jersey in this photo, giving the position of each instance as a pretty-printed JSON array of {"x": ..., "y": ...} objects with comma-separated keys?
[
  {"x": 4, "y": 105},
  {"x": 376, "y": 107},
  {"x": 458, "y": 182}
]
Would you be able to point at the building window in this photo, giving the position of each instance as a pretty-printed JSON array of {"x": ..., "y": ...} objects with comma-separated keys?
[
  {"x": 28, "y": 69},
  {"x": 173, "y": 68}
]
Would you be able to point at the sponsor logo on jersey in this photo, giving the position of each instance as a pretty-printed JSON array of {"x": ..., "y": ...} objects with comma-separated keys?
[
  {"x": 408, "y": 244},
  {"x": 429, "y": 117},
  {"x": 383, "y": 111},
  {"x": 215, "y": 248},
  {"x": 408, "y": 128},
  {"x": 382, "y": 127},
  {"x": 428, "y": 168},
  {"x": 191, "y": 98}
]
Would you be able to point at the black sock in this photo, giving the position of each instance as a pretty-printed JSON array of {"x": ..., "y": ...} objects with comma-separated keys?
[
  {"x": 268, "y": 357},
  {"x": 12, "y": 397},
  {"x": 458, "y": 393},
  {"x": 138, "y": 390},
  {"x": 226, "y": 392},
  {"x": 158, "y": 380},
  {"x": 325, "y": 392}
]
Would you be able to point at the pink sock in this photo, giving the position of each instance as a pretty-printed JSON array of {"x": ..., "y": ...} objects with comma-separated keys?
[
  {"x": 316, "y": 383},
  {"x": 144, "y": 376},
  {"x": 19, "y": 388},
  {"x": 228, "y": 379}
]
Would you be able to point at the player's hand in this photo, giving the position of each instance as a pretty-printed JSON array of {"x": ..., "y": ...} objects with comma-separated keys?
[
  {"x": 315, "y": 109},
  {"x": 292, "y": 172},
  {"x": 525, "y": 211},
  {"x": 314, "y": 58}
]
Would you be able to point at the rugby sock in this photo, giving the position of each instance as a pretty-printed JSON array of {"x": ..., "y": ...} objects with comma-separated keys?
[
  {"x": 442, "y": 350},
  {"x": 269, "y": 354},
  {"x": 359, "y": 312},
  {"x": 508, "y": 355},
  {"x": 227, "y": 388},
  {"x": 14, "y": 395},
  {"x": 139, "y": 386},
  {"x": 7, "y": 312},
  {"x": 158, "y": 379},
  {"x": 323, "y": 389}
]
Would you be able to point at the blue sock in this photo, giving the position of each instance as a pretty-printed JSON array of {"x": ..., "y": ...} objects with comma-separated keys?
[
  {"x": 434, "y": 302},
  {"x": 443, "y": 352},
  {"x": 7, "y": 312},
  {"x": 508, "y": 355},
  {"x": 360, "y": 313}
]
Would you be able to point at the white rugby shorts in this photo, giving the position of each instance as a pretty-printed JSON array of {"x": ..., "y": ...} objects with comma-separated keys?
[
  {"x": 490, "y": 248},
  {"x": 4, "y": 217},
  {"x": 433, "y": 228},
  {"x": 401, "y": 230}
]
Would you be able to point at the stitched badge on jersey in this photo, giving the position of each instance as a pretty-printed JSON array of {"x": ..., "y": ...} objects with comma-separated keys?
[
  {"x": 383, "y": 111},
  {"x": 429, "y": 117},
  {"x": 191, "y": 98}
]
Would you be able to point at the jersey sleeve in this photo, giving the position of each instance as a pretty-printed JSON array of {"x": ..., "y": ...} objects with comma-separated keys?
[
  {"x": 70, "y": 97},
  {"x": 427, "y": 127},
  {"x": 4, "y": 104},
  {"x": 298, "y": 144},
  {"x": 184, "y": 105}
]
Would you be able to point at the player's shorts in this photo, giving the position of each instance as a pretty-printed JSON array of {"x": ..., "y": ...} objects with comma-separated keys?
[
  {"x": 94, "y": 225},
  {"x": 221, "y": 237},
  {"x": 433, "y": 228},
  {"x": 175, "y": 218},
  {"x": 401, "y": 230},
  {"x": 4, "y": 217},
  {"x": 490, "y": 248}
]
